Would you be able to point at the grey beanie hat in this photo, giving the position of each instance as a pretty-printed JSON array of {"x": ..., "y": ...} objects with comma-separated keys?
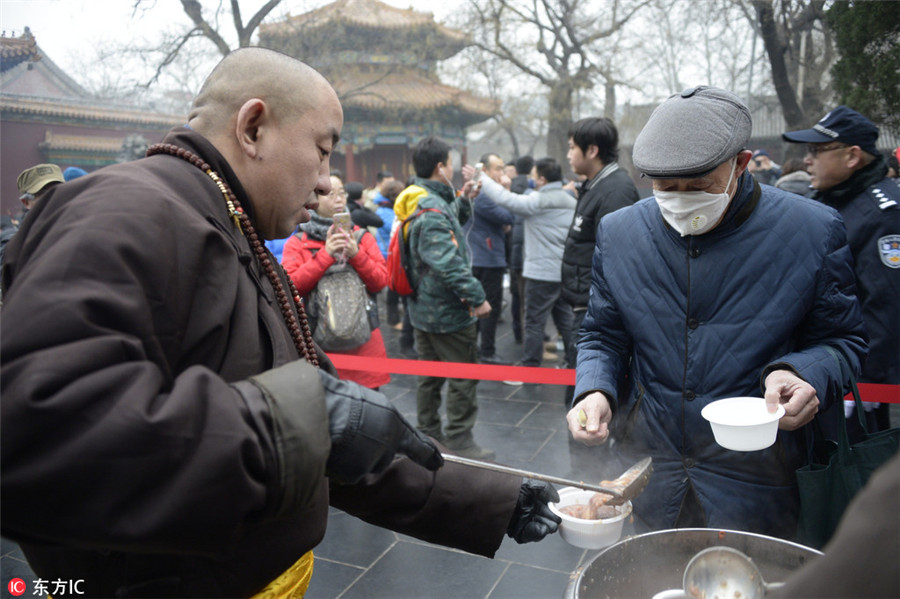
[{"x": 692, "y": 133}]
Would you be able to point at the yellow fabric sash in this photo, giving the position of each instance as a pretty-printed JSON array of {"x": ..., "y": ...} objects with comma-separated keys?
[{"x": 292, "y": 583}]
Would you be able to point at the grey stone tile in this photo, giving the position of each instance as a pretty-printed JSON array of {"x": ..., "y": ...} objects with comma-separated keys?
[
  {"x": 551, "y": 553},
  {"x": 523, "y": 582},
  {"x": 8, "y": 547},
  {"x": 505, "y": 412},
  {"x": 512, "y": 443},
  {"x": 547, "y": 415},
  {"x": 12, "y": 567},
  {"x": 495, "y": 390},
  {"x": 418, "y": 571},
  {"x": 350, "y": 541},
  {"x": 330, "y": 579}
]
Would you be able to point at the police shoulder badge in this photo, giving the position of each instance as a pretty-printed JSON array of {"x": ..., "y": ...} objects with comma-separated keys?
[{"x": 889, "y": 250}]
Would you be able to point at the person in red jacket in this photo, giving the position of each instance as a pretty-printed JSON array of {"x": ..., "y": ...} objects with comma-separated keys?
[{"x": 305, "y": 263}]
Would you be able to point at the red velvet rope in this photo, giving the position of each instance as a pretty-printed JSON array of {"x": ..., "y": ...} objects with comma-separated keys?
[{"x": 528, "y": 374}]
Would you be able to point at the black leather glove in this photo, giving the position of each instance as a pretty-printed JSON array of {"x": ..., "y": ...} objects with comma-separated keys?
[
  {"x": 532, "y": 520},
  {"x": 367, "y": 431}
]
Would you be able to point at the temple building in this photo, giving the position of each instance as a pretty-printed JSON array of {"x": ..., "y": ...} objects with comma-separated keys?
[
  {"x": 47, "y": 117},
  {"x": 383, "y": 63}
]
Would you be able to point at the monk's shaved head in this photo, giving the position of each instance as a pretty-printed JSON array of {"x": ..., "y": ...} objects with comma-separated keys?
[
  {"x": 276, "y": 122},
  {"x": 287, "y": 86}
]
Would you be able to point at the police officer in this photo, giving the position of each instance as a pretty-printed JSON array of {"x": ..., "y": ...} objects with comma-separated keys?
[{"x": 850, "y": 174}]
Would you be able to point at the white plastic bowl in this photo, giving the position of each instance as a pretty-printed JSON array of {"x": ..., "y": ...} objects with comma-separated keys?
[
  {"x": 743, "y": 423},
  {"x": 588, "y": 534}
]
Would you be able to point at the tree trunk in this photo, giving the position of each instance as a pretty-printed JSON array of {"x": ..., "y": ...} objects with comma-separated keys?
[
  {"x": 794, "y": 117},
  {"x": 609, "y": 109},
  {"x": 514, "y": 140},
  {"x": 560, "y": 118}
]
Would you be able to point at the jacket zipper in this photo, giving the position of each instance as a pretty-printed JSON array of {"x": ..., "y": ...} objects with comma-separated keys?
[{"x": 687, "y": 317}]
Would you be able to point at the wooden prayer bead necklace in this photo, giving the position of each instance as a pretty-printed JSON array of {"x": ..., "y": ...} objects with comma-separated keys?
[{"x": 299, "y": 329}]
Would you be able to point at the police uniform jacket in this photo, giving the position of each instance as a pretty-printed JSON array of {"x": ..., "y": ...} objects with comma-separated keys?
[{"x": 869, "y": 203}]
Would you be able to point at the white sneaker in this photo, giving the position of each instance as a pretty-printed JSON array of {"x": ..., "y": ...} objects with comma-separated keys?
[{"x": 513, "y": 383}]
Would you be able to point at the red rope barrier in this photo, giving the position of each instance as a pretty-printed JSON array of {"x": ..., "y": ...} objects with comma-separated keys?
[
  {"x": 528, "y": 374},
  {"x": 457, "y": 370},
  {"x": 877, "y": 393}
]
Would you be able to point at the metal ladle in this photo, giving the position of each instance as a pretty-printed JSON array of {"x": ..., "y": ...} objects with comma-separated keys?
[
  {"x": 623, "y": 488},
  {"x": 722, "y": 573}
]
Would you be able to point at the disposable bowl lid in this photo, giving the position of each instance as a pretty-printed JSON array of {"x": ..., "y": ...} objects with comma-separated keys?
[{"x": 741, "y": 411}]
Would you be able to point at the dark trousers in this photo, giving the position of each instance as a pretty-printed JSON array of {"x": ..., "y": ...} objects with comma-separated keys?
[
  {"x": 543, "y": 299},
  {"x": 462, "y": 404},
  {"x": 406, "y": 335},
  {"x": 492, "y": 281},
  {"x": 517, "y": 302},
  {"x": 392, "y": 301}
]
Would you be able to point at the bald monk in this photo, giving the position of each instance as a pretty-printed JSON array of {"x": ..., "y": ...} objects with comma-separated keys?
[{"x": 169, "y": 428}]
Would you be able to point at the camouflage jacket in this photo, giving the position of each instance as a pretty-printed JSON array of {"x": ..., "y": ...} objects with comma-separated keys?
[{"x": 441, "y": 269}]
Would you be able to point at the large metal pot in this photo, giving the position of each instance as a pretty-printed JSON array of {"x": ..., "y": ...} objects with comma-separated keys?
[{"x": 641, "y": 566}]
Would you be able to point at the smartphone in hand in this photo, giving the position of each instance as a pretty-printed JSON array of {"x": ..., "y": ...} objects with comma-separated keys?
[
  {"x": 343, "y": 221},
  {"x": 479, "y": 168}
]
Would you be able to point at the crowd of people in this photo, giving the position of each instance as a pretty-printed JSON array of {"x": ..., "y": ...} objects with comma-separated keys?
[{"x": 177, "y": 367}]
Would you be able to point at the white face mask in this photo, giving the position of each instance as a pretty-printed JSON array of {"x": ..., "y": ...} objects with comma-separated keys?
[{"x": 694, "y": 212}]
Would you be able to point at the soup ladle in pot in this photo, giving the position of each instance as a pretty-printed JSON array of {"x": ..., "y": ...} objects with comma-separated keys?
[{"x": 720, "y": 573}]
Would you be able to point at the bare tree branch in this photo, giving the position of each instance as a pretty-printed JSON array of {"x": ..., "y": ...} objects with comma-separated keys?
[
  {"x": 255, "y": 21},
  {"x": 194, "y": 10},
  {"x": 617, "y": 24},
  {"x": 172, "y": 54}
]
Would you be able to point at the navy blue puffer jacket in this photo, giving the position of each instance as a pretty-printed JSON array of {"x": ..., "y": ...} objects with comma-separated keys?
[
  {"x": 694, "y": 319},
  {"x": 485, "y": 233}
]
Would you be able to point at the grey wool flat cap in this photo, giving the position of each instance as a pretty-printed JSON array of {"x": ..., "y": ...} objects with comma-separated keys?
[{"x": 692, "y": 133}]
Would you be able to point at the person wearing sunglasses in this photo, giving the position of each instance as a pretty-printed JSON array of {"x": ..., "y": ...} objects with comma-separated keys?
[{"x": 851, "y": 175}]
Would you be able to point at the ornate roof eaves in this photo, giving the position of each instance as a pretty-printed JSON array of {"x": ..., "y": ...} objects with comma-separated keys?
[
  {"x": 80, "y": 143},
  {"x": 50, "y": 70},
  {"x": 15, "y": 107},
  {"x": 16, "y": 50},
  {"x": 364, "y": 14}
]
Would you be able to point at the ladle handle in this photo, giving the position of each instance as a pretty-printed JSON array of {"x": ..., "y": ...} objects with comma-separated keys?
[{"x": 616, "y": 493}]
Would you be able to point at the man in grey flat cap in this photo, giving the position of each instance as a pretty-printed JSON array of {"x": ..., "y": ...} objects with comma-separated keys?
[{"x": 715, "y": 287}]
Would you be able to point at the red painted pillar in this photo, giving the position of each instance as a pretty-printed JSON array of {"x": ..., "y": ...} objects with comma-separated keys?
[{"x": 351, "y": 163}]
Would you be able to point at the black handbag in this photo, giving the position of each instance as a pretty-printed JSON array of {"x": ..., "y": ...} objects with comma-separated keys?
[
  {"x": 837, "y": 471},
  {"x": 372, "y": 312}
]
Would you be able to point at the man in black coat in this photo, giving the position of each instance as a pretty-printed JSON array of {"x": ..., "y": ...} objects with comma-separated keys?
[{"x": 593, "y": 152}]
